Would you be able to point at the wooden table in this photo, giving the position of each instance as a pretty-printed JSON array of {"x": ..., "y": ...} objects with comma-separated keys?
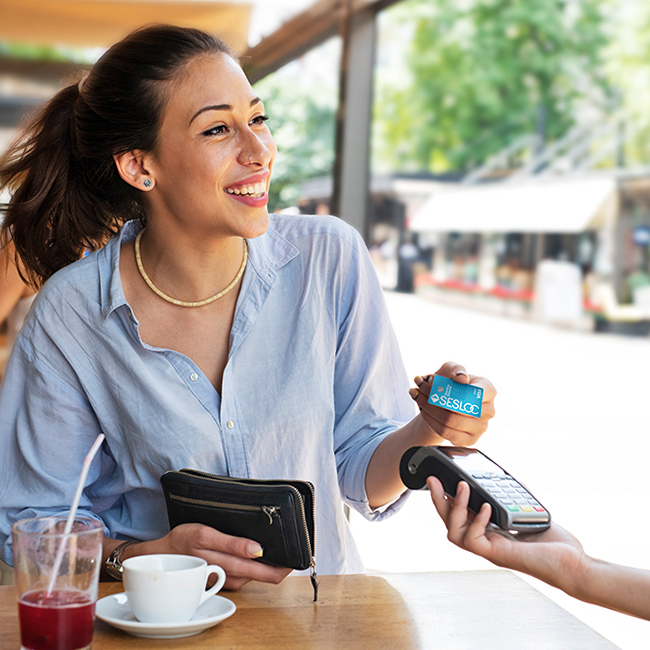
[{"x": 470, "y": 610}]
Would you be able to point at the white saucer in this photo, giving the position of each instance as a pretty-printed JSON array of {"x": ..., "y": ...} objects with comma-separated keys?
[{"x": 115, "y": 611}]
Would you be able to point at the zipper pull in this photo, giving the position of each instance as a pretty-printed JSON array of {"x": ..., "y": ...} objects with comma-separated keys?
[
  {"x": 270, "y": 512},
  {"x": 314, "y": 578}
]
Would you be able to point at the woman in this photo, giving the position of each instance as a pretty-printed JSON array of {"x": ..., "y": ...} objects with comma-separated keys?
[{"x": 203, "y": 334}]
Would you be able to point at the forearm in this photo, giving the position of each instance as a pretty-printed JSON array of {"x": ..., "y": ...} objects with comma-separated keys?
[
  {"x": 616, "y": 587},
  {"x": 383, "y": 483}
]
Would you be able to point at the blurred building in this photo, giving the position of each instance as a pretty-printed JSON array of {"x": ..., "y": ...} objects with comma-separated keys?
[{"x": 495, "y": 228}]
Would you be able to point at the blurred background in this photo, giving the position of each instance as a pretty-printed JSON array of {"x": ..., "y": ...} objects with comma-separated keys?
[{"x": 495, "y": 156}]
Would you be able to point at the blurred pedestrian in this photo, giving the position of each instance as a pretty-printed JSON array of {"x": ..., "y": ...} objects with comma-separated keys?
[{"x": 407, "y": 255}]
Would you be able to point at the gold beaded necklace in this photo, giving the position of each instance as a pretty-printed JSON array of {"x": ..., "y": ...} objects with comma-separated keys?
[{"x": 182, "y": 303}]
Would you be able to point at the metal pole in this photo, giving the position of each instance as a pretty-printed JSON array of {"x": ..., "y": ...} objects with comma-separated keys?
[{"x": 351, "y": 193}]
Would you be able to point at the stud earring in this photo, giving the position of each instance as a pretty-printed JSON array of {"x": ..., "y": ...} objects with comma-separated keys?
[{"x": 147, "y": 182}]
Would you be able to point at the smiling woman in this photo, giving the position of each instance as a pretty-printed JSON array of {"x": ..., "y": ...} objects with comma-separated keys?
[{"x": 205, "y": 333}]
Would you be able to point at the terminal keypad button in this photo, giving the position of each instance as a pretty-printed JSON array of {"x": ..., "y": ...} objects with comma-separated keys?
[{"x": 508, "y": 492}]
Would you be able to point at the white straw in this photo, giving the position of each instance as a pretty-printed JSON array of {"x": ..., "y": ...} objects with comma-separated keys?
[{"x": 73, "y": 509}]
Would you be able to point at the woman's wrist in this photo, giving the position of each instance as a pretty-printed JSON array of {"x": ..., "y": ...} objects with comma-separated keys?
[
  {"x": 116, "y": 551},
  {"x": 422, "y": 433},
  {"x": 139, "y": 548}
]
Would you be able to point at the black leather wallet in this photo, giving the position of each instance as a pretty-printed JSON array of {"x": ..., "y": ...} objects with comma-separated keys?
[{"x": 278, "y": 514}]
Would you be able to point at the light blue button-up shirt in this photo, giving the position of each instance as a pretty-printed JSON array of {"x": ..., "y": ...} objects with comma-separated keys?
[{"x": 313, "y": 383}]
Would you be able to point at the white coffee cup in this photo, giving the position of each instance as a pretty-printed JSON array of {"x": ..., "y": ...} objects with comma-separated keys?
[{"x": 168, "y": 588}]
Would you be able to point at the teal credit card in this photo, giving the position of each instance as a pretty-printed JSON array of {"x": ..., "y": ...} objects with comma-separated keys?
[{"x": 462, "y": 398}]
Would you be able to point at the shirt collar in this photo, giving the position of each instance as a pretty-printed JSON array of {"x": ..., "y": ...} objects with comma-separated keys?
[
  {"x": 110, "y": 281},
  {"x": 267, "y": 253},
  {"x": 270, "y": 252}
]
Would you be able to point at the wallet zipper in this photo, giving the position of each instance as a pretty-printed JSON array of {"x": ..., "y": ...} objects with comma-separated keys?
[{"x": 269, "y": 511}]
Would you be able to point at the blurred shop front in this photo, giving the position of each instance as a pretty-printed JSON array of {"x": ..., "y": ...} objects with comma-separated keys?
[{"x": 570, "y": 250}]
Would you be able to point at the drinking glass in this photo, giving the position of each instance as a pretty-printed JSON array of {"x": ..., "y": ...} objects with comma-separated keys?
[{"x": 63, "y": 618}]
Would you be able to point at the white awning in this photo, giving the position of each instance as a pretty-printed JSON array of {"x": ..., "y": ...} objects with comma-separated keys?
[{"x": 558, "y": 206}]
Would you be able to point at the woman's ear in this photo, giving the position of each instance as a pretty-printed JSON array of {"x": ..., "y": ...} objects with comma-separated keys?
[{"x": 133, "y": 167}]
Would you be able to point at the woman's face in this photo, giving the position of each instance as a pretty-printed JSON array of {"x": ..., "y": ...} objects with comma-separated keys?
[{"x": 214, "y": 156}]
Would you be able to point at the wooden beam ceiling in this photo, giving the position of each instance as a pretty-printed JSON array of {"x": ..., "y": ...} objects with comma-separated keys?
[
  {"x": 317, "y": 23},
  {"x": 100, "y": 23}
]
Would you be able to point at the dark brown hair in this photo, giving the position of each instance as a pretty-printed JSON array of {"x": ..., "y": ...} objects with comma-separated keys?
[{"x": 67, "y": 194}]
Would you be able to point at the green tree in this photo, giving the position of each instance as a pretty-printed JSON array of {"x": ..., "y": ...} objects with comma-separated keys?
[
  {"x": 628, "y": 66},
  {"x": 485, "y": 72},
  {"x": 32, "y": 51}
]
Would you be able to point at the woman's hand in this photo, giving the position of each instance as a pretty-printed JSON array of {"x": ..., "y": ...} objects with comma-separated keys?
[
  {"x": 236, "y": 555},
  {"x": 461, "y": 430},
  {"x": 554, "y": 556}
]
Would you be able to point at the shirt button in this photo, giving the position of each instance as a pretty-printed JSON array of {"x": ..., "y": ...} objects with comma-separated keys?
[
  {"x": 230, "y": 424},
  {"x": 194, "y": 377}
]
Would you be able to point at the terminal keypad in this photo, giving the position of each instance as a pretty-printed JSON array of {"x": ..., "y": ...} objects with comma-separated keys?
[{"x": 508, "y": 492}]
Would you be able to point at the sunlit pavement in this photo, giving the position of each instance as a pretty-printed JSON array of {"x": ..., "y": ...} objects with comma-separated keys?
[{"x": 572, "y": 423}]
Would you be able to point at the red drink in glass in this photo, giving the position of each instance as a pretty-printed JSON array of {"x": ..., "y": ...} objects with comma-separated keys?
[
  {"x": 61, "y": 621},
  {"x": 57, "y": 576}
]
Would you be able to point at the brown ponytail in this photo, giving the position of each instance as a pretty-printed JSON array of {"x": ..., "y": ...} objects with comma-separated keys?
[{"x": 67, "y": 194}]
